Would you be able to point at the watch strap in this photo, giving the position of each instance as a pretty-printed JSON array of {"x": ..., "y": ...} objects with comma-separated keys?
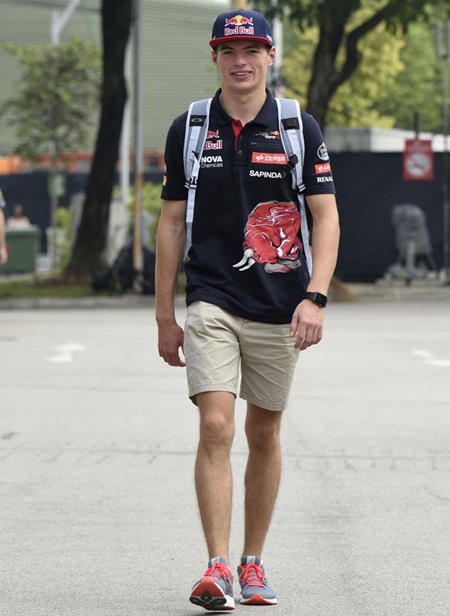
[{"x": 317, "y": 298}]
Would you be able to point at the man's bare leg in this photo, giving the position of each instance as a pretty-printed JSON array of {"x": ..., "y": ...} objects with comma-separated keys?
[
  {"x": 213, "y": 476},
  {"x": 262, "y": 476}
]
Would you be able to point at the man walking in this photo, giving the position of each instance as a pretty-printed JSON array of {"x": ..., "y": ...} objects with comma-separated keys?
[{"x": 252, "y": 301}]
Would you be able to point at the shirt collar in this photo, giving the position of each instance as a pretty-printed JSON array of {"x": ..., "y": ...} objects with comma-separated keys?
[{"x": 264, "y": 116}]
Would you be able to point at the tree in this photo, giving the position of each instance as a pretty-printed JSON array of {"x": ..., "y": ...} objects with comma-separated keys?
[
  {"x": 418, "y": 87},
  {"x": 55, "y": 105},
  {"x": 337, "y": 54},
  {"x": 356, "y": 102},
  {"x": 57, "y": 98},
  {"x": 88, "y": 250}
]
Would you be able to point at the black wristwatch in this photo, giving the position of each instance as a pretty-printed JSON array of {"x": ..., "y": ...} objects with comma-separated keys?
[{"x": 317, "y": 298}]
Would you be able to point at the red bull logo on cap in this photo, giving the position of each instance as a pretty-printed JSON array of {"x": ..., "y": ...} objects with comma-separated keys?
[{"x": 239, "y": 25}]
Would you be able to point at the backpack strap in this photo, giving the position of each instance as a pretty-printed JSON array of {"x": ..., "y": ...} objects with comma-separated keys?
[
  {"x": 291, "y": 131},
  {"x": 197, "y": 122}
]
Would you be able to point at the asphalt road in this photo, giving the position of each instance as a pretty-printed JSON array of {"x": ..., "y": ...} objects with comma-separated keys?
[{"x": 97, "y": 442}]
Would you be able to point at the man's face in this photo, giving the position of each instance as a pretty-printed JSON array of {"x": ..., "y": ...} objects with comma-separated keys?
[{"x": 243, "y": 65}]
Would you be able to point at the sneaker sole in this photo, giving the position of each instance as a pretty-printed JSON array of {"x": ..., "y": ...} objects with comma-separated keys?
[
  {"x": 209, "y": 595},
  {"x": 258, "y": 600}
]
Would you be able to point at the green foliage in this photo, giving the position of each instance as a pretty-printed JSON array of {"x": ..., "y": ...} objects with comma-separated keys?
[
  {"x": 151, "y": 203},
  {"x": 60, "y": 237},
  {"x": 418, "y": 87},
  {"x": 151, "y": 208},
  {"x": 57, "y": 95},
  {"x": 360, "y": 62},
  {"x": 304, "y": 13},
  {"x": 41, "y": 287},
  {"x": 398, "y": 76},
  {"x": 353, "y": 103}
]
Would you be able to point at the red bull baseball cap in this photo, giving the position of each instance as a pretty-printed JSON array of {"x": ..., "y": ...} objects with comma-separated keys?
[{"x": 241, "y": 25}]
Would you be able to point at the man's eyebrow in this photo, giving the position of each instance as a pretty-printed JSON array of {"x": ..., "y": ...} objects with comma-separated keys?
[{"x": 249, "y": 46}]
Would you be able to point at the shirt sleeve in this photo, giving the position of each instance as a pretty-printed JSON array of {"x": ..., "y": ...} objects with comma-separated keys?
[
  {"x": 317, "y": 173},
  {"x": 174, "y": 180}
]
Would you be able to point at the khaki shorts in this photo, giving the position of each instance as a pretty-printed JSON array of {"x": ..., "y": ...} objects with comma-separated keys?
[{"x": 217, "y": 344}]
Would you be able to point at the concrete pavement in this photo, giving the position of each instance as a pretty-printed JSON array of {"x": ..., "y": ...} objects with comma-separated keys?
[{"x": 97, "y": 445}]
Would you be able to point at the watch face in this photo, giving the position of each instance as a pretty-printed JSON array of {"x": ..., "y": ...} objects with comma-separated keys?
[{"x": 318, "y": 298}]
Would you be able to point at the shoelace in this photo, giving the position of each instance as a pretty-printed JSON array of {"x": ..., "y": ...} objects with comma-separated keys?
[
  {"x": 219, "y": 570},
  {"x": 252, "y": 575}
]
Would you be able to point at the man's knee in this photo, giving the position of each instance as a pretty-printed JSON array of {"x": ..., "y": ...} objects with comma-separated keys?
[
  {"x": 216, "y": 421},
  {"x": 262, "y": 429},
  {"x": 216, "y": 429}
]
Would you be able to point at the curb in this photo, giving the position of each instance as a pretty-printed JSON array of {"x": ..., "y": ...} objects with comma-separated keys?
[{"x": 377, "y": 292}]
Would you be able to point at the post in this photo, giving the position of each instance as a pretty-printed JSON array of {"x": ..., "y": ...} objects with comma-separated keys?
[
  {"x": 54, "y": 202},
  {"x": 443, "y": 53},
  {"x": 138, "y": 151},
  {"x": 417, "y": 124},
  {"x": 125, "y": 142},
  {"x": 445, "y": 165},
  {"x": 59, "y": 20}
]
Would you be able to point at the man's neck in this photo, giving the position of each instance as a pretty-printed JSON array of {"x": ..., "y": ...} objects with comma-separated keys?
[{"x": 243, "y": 107}]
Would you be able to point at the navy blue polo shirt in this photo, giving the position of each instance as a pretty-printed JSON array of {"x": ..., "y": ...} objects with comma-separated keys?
[{"x": 247, "y": 253}]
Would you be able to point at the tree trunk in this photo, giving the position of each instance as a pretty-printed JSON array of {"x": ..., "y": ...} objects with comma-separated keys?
[{"x": 88, "y": 250}]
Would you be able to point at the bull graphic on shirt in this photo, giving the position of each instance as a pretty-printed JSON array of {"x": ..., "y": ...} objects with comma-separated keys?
[{"x": 271, "y": 238}]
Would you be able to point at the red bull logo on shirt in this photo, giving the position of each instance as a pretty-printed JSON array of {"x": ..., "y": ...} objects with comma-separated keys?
[
  {"x": 239, "y": 25},
  {"x": 213, "y": 140}
]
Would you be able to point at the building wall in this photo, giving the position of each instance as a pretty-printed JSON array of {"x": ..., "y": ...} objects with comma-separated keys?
[{"x": 176, "y": 64}]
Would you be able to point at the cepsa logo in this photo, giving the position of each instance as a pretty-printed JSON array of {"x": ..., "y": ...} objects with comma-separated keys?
[
  {"x": 323, "y": 168},
  {"x": 239, "y": 25},
  {"x": 268, "y": 158}
]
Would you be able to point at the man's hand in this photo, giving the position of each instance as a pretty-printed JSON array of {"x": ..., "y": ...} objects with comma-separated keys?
[
  {"x": 170, "y": 341},
  {"x": 307, "y": 325},
  {"x": 3, "y": 255}
]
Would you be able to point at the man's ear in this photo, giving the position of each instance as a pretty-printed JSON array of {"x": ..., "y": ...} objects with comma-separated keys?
[
  {"x": 272, "y": 54},
  {"x": 214, "y": 57}
]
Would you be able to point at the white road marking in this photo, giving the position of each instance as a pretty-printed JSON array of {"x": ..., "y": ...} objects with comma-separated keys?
[
  {"x": 429, "y": 359},
  {"x": 70, "y": 347},
  {"x": 441, "y": 363},
  {"x": 422, "y": 353},
  {"x": 64, "y": 352}
]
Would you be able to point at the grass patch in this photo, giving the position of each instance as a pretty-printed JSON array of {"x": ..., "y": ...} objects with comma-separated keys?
[{"x": 42, "y": 288}]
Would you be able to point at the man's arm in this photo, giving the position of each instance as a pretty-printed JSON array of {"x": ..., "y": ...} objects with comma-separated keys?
[
  {"x": 170, "y": 241},
  {"x": 3, "y": 250},
  {"x": 307, "y": 320}
]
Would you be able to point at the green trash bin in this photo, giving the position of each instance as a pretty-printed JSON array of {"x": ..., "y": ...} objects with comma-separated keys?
[{"x": 23, "y": 247}]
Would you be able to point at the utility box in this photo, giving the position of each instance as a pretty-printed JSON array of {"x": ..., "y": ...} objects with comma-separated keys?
[{"x": 23, "y": 246}]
